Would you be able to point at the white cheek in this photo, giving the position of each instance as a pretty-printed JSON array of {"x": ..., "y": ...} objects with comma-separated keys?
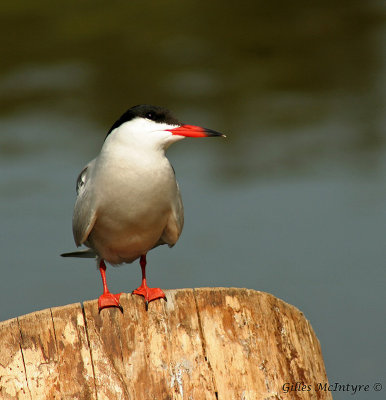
[
  {"x": 172, "y": 139},
  {"x": 143, "y": 133}
]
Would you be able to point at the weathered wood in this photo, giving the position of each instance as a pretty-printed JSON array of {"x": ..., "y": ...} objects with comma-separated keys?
[
  {"x": 211, "y": 343},
  {"x": 13, "y": 382}
]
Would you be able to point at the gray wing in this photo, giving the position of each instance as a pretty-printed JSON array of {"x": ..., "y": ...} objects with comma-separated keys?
[
  {"x": 84, "y": 216},
  {"x": 175, "y": 223}
]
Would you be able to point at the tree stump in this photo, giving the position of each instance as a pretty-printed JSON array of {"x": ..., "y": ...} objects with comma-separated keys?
[{"x": 208, "y": 343}]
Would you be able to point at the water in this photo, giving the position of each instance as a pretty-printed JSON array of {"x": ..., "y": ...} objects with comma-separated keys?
[{"x": 293, "y": 202}]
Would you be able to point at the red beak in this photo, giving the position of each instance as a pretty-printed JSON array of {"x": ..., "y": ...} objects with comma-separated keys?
[{"x": 194, "y": 131}]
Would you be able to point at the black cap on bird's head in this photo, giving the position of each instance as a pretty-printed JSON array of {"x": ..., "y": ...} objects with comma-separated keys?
[
  {"x": 164, "y": 116},
  {"x": 153, "y": 113}
]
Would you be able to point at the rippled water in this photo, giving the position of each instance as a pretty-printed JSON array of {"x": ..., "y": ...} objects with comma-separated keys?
[{"x": 293, "y": 202}]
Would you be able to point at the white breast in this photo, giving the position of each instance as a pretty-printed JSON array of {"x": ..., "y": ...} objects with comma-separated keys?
[{"x": 135, "y": 195}]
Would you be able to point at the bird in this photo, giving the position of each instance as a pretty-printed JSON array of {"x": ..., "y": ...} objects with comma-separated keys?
[{"x": 128, "y": 199}]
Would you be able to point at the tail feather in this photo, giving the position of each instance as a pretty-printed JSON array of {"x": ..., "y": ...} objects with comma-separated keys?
[{"x": 86, "y": 253}]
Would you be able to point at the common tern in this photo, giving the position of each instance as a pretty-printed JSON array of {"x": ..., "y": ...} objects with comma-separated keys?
[{"x": 128, "y": 200}]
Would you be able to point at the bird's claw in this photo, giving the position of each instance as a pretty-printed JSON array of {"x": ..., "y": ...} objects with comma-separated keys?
[
  {"x": 149, "y": 294},
  {"x": 108, "y": 299}
]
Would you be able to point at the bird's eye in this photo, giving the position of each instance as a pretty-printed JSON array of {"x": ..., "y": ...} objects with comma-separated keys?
[{"x": 149, "y": 115}]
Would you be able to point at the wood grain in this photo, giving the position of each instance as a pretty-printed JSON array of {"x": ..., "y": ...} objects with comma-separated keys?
[{"x": 207, "y": 343}]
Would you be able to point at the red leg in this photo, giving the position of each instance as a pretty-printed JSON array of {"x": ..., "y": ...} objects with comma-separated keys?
[
  {"x": 107, "y": 299},
  {"x": 148, "y": 293}
]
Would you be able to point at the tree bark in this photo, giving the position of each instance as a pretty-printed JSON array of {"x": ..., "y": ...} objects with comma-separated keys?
[{"x": 207, "y": 343}]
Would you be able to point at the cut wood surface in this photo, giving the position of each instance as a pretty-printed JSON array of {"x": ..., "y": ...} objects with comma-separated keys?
[{"x": 208, "y": 343}]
